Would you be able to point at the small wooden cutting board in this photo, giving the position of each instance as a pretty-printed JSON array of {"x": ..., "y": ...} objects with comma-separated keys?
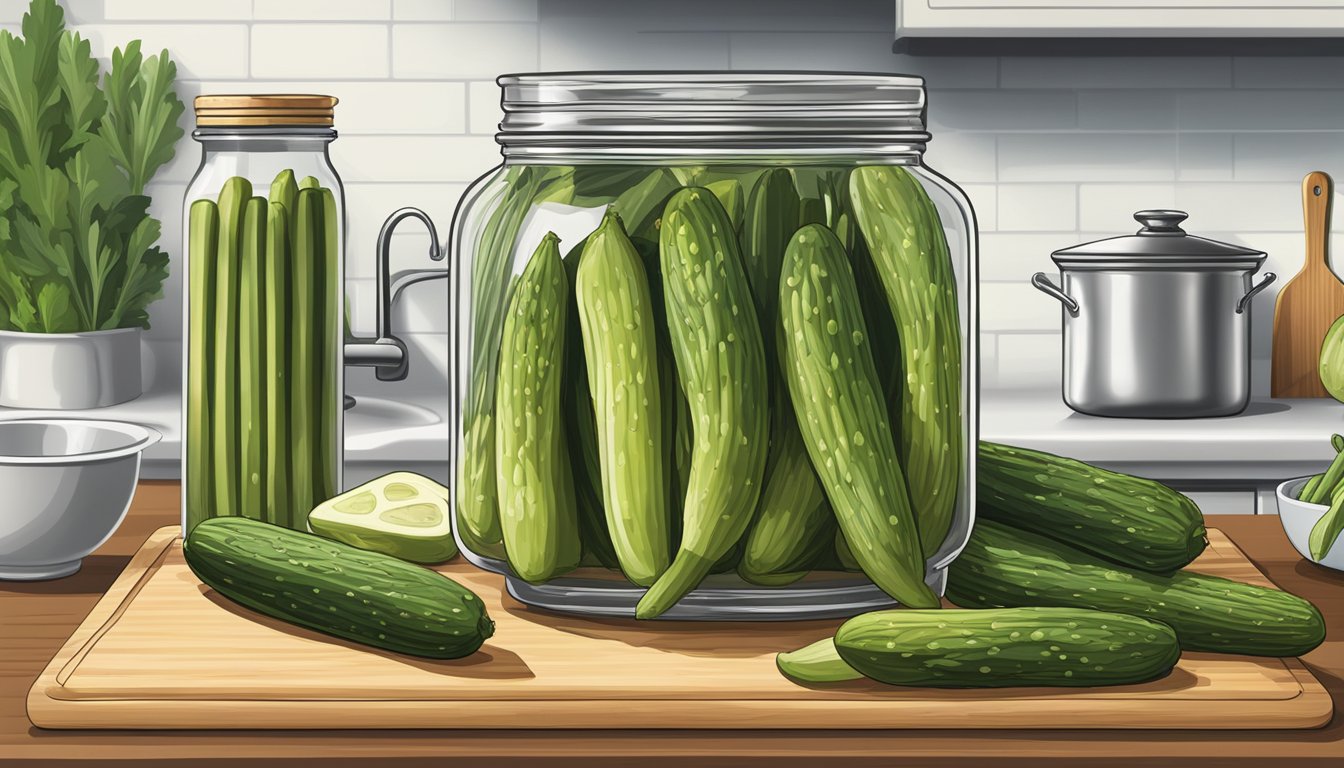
[
  {"x": 160, "y": 650},
  {"x": 1308, "y": 304}
]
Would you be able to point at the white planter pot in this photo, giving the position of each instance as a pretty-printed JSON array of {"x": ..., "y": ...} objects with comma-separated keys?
[{"x": 69, "y": 371}]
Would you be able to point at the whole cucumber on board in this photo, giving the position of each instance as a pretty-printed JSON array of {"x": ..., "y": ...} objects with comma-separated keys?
[
  {"x": 1003, "y": 566},
  {"x": 537, "y": 510},
  {"x": 202, "y": 259},
  {"x": 1008, "y": 647},
  {"x": 307, "y": 334},
  {"x": 837, "y": 399},
  {"x": 252, "y": 362},
  {"x": 336, "y": 589},
  {"x": 620, "y": 347},
  {"x": 720, "y": 357},
  {"x": 477, "y": 504},
  {"x": 279, "y": 321},
  {"x": 819, "y": 662},
  {"x": 904, "y": 234},
  {"x": 225, "y": 435},
  {"x": 1130, "y": 520},
  {"x": 581, "y": 429}
]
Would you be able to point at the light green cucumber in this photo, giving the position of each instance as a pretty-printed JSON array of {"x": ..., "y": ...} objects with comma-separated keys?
[
  {"x": 203, "y": 245},
  {"x": 224, "y": 431},
  {"x": 904, "y": 234},
  {"x": 816, "y": 663},
  {"x": 538, "y": 515},
  {"x": 400, "y": 514},
  {"x": 620, "y": 347},
  {"x": 306, "y": 336},
  {"x": 279, "y": 320},
  {"x": 837, "y": 398},
  {"x": 730, "y": 196},
  {"x": 477, "y": 509},
  {"x": 330, "y": 367},
  {"x": 720, "y": 357},
  {"x": 1326, "y": 531},
  {"x": 252, "y": 363}
]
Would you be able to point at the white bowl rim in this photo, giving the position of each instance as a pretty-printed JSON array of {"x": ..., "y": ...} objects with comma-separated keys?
[
  {"x": 1282, "y": 492},
  {"x": 141, "y": 438}
]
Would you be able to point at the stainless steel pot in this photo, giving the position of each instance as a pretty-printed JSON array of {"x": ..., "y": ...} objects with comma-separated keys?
[{"x": 1157, "y": 324}]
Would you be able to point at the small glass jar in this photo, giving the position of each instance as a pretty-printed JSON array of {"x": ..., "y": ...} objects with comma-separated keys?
[
  {"x": 775, "y": 151},
  {"x": 264, "y": 240}
]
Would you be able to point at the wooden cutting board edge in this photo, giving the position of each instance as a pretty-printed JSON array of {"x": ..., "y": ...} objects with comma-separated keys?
[{"x": 49, "y": 706}]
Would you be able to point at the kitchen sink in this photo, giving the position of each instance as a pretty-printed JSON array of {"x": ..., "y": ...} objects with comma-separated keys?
[{"x": 384, "y": 434}]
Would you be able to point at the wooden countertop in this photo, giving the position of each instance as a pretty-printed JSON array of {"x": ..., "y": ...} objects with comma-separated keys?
[{"x": 36, "y": 618}]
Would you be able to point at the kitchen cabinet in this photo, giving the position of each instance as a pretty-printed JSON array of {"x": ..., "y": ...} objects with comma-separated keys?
[{"x": 40, "y": 616}]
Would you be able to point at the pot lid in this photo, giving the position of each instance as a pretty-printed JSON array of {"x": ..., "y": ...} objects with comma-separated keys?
[{"x": 1160, "y": 244}]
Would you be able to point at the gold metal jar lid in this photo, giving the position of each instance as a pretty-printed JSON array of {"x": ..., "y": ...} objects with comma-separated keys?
[{"x": 263, "y": 109}]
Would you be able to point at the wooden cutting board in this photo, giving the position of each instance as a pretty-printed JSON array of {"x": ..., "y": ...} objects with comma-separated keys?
[
  {"x": 1308, "y": 304},
  {"x": 162, "y": 651}
]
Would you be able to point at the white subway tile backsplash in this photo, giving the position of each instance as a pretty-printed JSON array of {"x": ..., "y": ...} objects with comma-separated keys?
[
  {"x": 457, "y": 159},
  {"x": 198, "y": 50},
  {"x": 326, "y": 10},
  {"x": 1204, "y": 157},
  {"x": 844, "y": 51},
  {"x": 985, "y": 201},
  {"x": 1115, "y": 72},
  {"x": 1267, "y": 207},
  {"x": 1015, "y": 307},
  {"x": 462, "y": 51},
  {"x": 369, "y": 107},
  {"x": 1004, "y": 111},
  {"x": 1037, "y": 207},
  {"x": 495, "y": 10},
  {"x": 158, "y": 10},
  {"x": 1262, "y": 110},
  {"x": 1087, "y": 157},
  {"x": 1111, "y": 207},
  {"x": 1116, "y": 110},
  {"x": 1286, "y": 156},
  {"x": 1013, "y": 257},
  {"x": 483, "y": 109},
  {"x": 942, "y": 73},
  {"x": 320, "y": 51},
  {"x": 1030, "y": 361},
  {"x": 422, "y": 10},
  {"x": 368, "y": 205},
  {"x": 964, "y": 157},
  {"x": 581, "y": 44},
  {"x": 1288, "y": 72}
]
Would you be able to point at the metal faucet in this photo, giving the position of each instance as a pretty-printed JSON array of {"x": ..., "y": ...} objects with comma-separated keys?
[{"x": 387, "y": 353}]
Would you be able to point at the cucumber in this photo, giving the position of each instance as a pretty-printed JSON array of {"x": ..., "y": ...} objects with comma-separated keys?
[
  {"x": 537, "y": 511},
  {"x": 251, "y": 332},
  {"x": 224, "y": 429},
  {"x": 620, "y": 347},
  {"x": 729, "y": 194},
  {"x": 581, "y": 429},
  {"x": 1326, "y": 531},
  {"x": 1129, "y": 520},
  {"x": 905, "y": 236},
  {"x": 365, "y": 597},
  {"x": 307, "y": 334},
  {"x": 330, "y": 365},
  {"x": 1007, "y": 648},
  {"x": 716, "y": 341},
  {"x": 202, "y": 259},
  {"x": 771, "y": 219},
  {"x": 837, "y": 399},
  {"x": 477, "y": 511},
  {"x": 279, "y": 320},
  {"x": 401, "y": 514},
  {"x": 816, "y": 663},
  {"x": 1003, "y": 566}
]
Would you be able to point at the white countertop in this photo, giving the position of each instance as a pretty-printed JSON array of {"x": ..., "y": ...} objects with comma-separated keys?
[{"x": 1270, "y": 441}]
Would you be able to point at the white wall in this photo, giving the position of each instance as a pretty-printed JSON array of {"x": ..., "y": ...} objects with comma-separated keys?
[{"x": 1052, "y": 151}]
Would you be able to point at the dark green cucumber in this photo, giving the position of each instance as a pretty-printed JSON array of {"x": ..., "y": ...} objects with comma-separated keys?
[
  {"x": 771, "y": 218},
  {"x": 538, "y": 516},
  {"x": 1130, "y": 520},
  {"x": 279, "y": 319},
  {"x": 837, "y": 398},
  {"x": 904, "y": 234},
  {"x": 203, "y": 233},
  {"x": 224, "y": 429},
  {"x": 1007, "y": 648},
  {"x": 620, "y": 347},
  {"x": 336, "y": 589},
  {"x": 307, "y": 334},
  {"x": 251, "y": 332},
  {"x": 1004, "y": 567},
  {"x": 720, "y": 357}
]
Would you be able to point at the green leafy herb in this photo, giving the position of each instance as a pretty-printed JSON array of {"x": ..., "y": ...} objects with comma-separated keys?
[{"x": 77, "y": 243}]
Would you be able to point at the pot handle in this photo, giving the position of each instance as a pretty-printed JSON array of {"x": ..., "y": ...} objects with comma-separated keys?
[
  {"x": 1044, "y": 285},
  {"x": 1265, "y": 280}
]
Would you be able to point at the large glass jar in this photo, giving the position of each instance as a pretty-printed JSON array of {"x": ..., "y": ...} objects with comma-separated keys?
[
  {"x": 264, "y": 231},
  {"x": 630, "y": 437}
]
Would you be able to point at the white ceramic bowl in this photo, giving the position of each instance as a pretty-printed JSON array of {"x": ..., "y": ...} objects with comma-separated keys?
[
  {"x": 65, "y": 486},
  {"x": 1299, "y": 517}
]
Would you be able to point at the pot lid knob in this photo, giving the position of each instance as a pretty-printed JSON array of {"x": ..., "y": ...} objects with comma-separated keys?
[{"x": 1161, "y": 222}]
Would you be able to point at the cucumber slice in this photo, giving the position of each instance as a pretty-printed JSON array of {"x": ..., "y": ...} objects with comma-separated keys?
[{"x": 400, "y": 514}]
